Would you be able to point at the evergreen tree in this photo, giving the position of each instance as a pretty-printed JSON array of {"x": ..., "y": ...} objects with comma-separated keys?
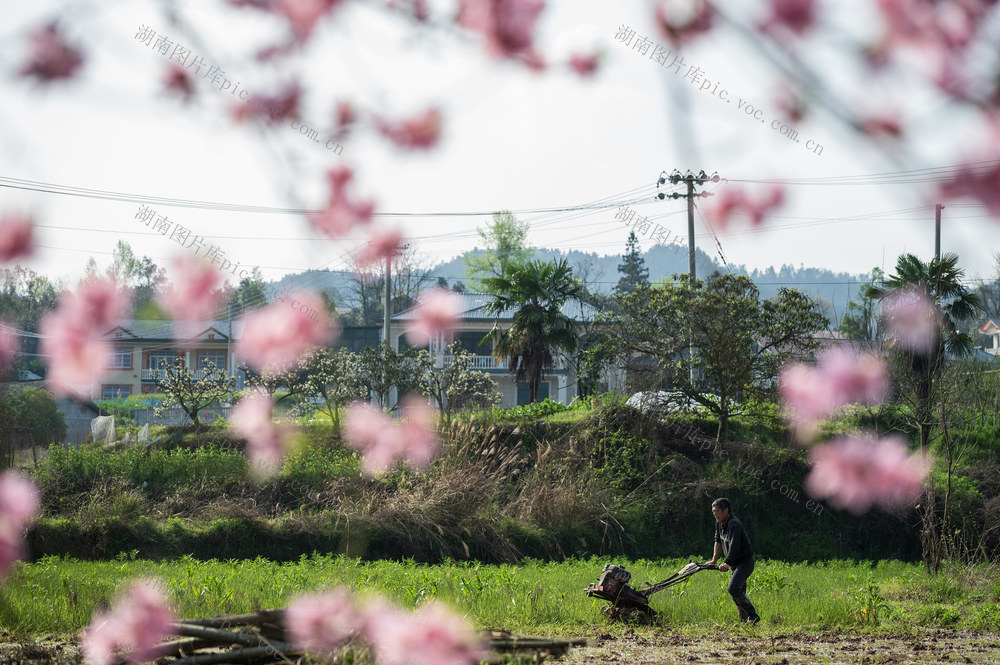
[{"x": 633, "y": 268}]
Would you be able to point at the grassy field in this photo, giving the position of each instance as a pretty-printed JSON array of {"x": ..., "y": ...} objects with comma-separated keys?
[{"x": 56, "y": 597}]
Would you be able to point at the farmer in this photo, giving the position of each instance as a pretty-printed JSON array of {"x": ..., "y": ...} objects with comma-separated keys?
[{"x": 732, "y": 542}]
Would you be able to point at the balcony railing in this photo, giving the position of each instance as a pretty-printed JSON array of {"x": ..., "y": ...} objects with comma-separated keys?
[
  {"x": 154, "y": 374},
  {"x": 480, "y": 362}
]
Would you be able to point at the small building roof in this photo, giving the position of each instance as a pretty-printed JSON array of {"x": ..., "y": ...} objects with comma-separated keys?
[{"x": 990, "y": 328}]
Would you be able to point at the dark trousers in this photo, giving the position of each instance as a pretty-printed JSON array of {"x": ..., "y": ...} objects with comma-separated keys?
[{"x": 738, "y": 589}]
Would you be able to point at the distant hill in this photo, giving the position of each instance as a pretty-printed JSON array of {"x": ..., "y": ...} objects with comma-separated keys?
[{"x": 600, "y": 273}]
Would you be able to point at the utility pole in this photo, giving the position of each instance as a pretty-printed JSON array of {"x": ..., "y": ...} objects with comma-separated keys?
[
  {"x": 937, "y": 231},
  {"x": 690, "y": 179},
  {"x": 388, "y": 291}
]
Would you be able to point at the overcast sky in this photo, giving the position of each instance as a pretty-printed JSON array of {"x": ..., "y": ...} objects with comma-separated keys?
[{"x": 512, "y": 139}]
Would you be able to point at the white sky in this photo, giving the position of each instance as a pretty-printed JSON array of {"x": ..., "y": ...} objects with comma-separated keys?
[{"x": 513, "y": 139}]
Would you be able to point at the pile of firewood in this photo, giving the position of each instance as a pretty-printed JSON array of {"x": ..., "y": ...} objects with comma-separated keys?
[{"x": 259, "y": 639}]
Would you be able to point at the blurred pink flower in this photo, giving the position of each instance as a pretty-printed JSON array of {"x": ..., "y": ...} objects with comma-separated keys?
[
  {"x": 508, "y": 26},
  {"x": 682, "y": 24},
  {"x": 912, "y": 319},
  {"x": 276, "y": 336},
  {"x": 813, "y": 394},
  {"x": 796, "y": 15},
  {"x": 72, "y": 335},
  {"x": 51, "y": 56},
  {"x": 883, "y": 124},
  {"x": 437, "y": 311},
  {"x": 433, "y": 635},
  {"x": 373, "y": 433},
  {"x": 756, "y": 206},
  {"x": 271, "y": 109},
  {"x": 195, "y": 291},
  {"x": 382, "y": 244},
  {"x": 585, "y": 64},
  {"x": 422, "y": 131},
  {"x": 97, "y": 304},
  {"x": 16, "y": 239},
  {"x": 303, "y": 15},
  {"x": 19, "y": 504},
  {"x": 342, "y": 213},
  {"x": 179, "y": 80},
  {"x": 858, "y": 473},
  {"x": 419, "y": 432},
  {"x": 267, "y": 441},
  {"x": 791, "y": 104},
  {"x": 137, "y": 622},
  {"x": 20, "y": 499},
  {"x": 10, "y": 346},
  {"x": 344, "y": 118},
  {"x": 382, "y": 441},
  {"x": 977, "y": 180},
  {"x": 321, "y": 622}
]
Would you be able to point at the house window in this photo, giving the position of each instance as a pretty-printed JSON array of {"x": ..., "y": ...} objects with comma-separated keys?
[
  {"x": 111, "y": 391},
  {"x": 218, "y": 358},
  {"x": 167, "y": 357},
  {"x": 523, "y": 392},
  {"x": 120, "y": 358},
  {"x": 473, "y": 343}
]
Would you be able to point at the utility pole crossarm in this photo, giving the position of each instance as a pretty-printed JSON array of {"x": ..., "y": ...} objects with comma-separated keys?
[{"x": 690, "y": 179}]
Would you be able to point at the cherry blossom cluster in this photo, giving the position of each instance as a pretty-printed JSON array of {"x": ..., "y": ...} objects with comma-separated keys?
[
  {"x": 383, "y": 441},
  {"x": 19, "y": 503},
  {"x": 323, "y": 623},
  {"x": 133, "y": 627},
  {"x": 859, "y": 472}
]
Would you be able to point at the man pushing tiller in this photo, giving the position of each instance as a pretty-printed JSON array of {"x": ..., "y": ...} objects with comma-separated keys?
[{"x": 732, "y": 543}]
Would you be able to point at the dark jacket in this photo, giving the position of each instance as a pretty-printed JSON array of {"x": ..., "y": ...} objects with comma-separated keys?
[{"x": 735, "y": 542}]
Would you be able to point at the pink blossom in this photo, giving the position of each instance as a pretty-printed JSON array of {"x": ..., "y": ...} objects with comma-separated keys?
[
  {"x": 508, "y": 26},
  {"x": 585, "y": 64},
  {"x": 195, "y": 292},
  {"x": 267, "y": 442},
  {"x": 271, "y": 109},
  {"x": 76, "y": 355},
  {"x": 755, "y": 206},
  {"x": 382, "y": 244},
  {"x": 51, "y": 56},
  {"x": 422, "y": 131},
  {"x": 796, "y": 15},
  {"x": 433, "y": 635},
  {"x": 10, "y": 346},
  {"x": 276, "y": 336},
  {"x": 912, "y": 319},
  {"x": 321, "y": 622},
  {"x": 383, "y": 442},
  {"x": 344, "y": 118},
  {"x": 883, "y": 124},
  {"x": 790, "y": 103},
  {"x": 179, "y": 80},
  {"x": 73, "y": 335},
  {"x": 375, "y": 435},
  {"x": 343, "y": 212},
  {"x": 858, "y": 473},
  {"x": 19, "y": 499},
  {"x": 813, "y": 394},
  {"x": 19, "y": 504},
  {"x": 98, "y": 304},
  {"x": 436, "y": 312},
  {"x": 977, "y": 180},
  {"x": 680, "y": 26},
  {"x": 139, "y": 619},
  {"x": 419, "y": 432},
  {"x": 303, "y": 15},
  {"x": 16, "y": 237}
]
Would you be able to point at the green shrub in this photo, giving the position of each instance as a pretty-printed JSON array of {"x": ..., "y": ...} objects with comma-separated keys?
[
  {"x": 942, "y": 616},
  {"x": 985, "y": 617}
]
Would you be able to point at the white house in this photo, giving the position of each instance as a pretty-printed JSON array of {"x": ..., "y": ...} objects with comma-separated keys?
[
  {"x": 993, "y": 330},
  {"x": 558, "y": 384}
]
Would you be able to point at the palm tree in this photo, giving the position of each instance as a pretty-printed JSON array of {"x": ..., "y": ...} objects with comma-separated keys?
[
  {"x": 941, "y": 281},
  {"x": 536, "y": 292}
]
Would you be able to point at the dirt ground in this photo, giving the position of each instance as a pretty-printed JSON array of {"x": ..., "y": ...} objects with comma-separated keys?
[
  {"x": 736, "y": 648},
  {"x": 742, "y": 648}
]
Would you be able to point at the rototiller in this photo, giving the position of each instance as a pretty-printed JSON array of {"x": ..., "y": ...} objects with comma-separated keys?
[{"x": 627, "y": 602}]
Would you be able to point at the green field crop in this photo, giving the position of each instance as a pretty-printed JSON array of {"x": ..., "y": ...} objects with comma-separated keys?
[{"x": 58, "y": 596}]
